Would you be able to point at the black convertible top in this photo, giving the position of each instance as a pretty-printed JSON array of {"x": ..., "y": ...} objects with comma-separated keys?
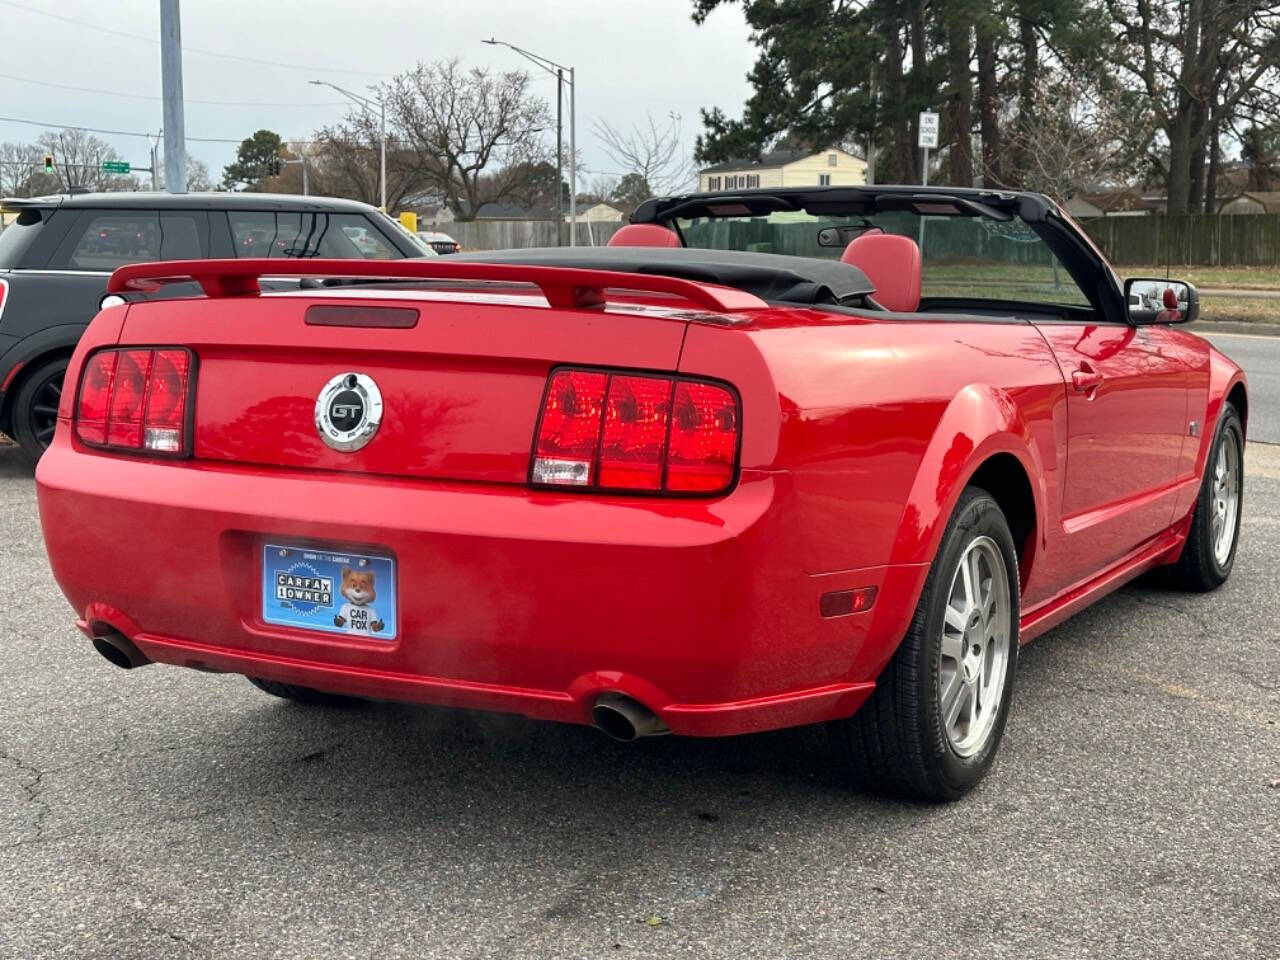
[{"x": 772, "y": 277}]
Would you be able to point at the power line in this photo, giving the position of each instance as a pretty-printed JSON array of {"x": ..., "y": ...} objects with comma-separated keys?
[
  {"x": 122, "y": 133},
  {"x": 311, "y": 68},
  {"x": 144, "y": 96}
]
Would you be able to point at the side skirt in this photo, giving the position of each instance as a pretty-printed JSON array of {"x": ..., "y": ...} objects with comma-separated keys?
[{"x": 1160, "y": 550}]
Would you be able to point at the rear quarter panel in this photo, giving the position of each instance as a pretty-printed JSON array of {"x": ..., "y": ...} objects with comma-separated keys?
[{"x": 880, "y": 423}]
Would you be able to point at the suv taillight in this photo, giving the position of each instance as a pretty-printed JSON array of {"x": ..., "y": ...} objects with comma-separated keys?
[
  {"x": 136, "y": 399},
  {"x": 612, "y": 430}
]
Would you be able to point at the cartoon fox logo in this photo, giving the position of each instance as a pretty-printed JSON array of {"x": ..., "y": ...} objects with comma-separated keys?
[{"x": 356, "y": 614}]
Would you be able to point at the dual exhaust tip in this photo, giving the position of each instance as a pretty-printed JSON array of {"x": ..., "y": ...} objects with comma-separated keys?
[
  {"x": 625, "y": 719},
  {"x": 618, "y": 716}
]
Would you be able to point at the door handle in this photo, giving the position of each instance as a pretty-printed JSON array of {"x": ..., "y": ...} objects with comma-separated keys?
[{"x": 1085, "y": 380}]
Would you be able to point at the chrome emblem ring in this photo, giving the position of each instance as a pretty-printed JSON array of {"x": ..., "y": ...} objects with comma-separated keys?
[{"x": 348, "y": 411}]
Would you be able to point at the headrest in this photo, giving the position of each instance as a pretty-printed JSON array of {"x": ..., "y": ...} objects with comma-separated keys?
[
  {"x": 1170, "y": 298},
  {"x": 645, "y": 235},
  {"x": 892, "y": 264}
]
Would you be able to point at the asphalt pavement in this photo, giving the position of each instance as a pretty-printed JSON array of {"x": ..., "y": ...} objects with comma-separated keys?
[
  {"x": 1260, "y": 358},
  {"x": 1134, "y": 810}
]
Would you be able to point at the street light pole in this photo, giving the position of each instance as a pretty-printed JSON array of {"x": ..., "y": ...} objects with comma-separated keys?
[
  {"x": 560, "y": 157},
  {"x": 382, "y": 123},
  {"x": 382, "y": 127},
  {"x": 557, "y": 70}
]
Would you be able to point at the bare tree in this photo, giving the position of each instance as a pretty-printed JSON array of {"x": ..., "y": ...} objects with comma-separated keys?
[
  {"x": 77, "y": 160},
  {"x": 1196, "y": 61},
  {"x": 344, "y": 162},
  {"x": 22, "y": 171},
  {"x": 198, "y": 179},
  {"x": 653, "y": 151},
  {"x": 1086, "y": 137},
  {"x": 468, "y": 134}
]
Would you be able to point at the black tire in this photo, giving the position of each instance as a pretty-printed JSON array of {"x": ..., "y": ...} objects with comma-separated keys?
[
  {"x": 896, "y": 743},
  {"x": 35, "y": 407},
  {"x": 315, "y": 698},
  {"x": 1198, "y": 568}
]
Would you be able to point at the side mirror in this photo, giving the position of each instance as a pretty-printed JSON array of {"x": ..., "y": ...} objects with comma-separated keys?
[{"x": 1151, "y": 301}]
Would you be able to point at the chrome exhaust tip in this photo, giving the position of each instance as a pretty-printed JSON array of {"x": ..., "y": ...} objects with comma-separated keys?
[{"x": 624, "y": 719}]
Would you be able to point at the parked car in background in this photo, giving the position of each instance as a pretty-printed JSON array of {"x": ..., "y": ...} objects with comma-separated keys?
[
  {"x": 57, "y": 253},
  {"x": 441, "y": 243},
  {"x": 656, "y": 488}
]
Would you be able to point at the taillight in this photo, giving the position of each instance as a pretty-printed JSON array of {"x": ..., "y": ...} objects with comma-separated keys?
[
  {"x": 635, "y": 432},
  {"x": 135, "y": 399}
]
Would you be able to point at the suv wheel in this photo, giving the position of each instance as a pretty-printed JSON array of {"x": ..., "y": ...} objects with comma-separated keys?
[{"x": 35, "y": 407}]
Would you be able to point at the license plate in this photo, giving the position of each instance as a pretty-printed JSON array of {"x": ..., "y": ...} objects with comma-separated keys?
[{"x": 329, "y": 591}]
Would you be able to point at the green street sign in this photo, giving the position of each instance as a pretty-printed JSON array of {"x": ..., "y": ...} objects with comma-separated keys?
[{"x": 115, "y": 166}]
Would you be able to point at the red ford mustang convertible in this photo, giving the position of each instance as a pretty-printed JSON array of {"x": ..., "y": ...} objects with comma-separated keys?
[{"x": 754, "y": 465}]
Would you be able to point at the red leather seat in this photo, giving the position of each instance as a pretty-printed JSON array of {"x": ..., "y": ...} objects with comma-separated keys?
[
  {"x": 645, "y": 235},
  {"x": 892, "y": 264}
]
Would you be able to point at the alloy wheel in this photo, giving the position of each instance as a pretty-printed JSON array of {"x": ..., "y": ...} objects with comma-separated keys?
[
  {"x": 975, "y": 647},
  {"x": 1225, "y": 497}
]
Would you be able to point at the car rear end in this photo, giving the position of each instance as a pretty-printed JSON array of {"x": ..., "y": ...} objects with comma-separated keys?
[{"x": 548, "y": 513}]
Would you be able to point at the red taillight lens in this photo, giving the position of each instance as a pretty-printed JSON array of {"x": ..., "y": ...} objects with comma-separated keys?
[
  {"x": 622, "y": 431},
  {"x": 704, "y": 438},
  {"x": 95, "y": 397},
  {"x": 635, "y": 432},
  {"x": 166, "y": 417},
  {"x": 569, "y": 436},
  {"x": 135, "y": 399},
  {"x": 128, "y": 394}
]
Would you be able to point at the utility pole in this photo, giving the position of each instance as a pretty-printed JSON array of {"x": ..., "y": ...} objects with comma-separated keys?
[
  {"x": 175, "y": 146},
  {"x": 573, "y": 160},
  {"x": 559, "y": 156}
]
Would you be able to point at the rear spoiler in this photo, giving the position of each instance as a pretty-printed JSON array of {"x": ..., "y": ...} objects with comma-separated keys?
[{"x": 564, "y": 287}]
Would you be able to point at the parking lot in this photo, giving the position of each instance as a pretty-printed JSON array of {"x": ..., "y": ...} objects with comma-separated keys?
[{"x": 1134, "y": 810}]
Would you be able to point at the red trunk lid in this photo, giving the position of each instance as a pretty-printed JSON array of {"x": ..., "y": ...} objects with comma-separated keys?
[{"x": 461, "y": 389}]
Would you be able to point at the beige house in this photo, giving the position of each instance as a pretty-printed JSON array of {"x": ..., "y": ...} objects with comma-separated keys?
[
  {"x": 786, "y": 168},
  {"x": 598, "y": 213}
]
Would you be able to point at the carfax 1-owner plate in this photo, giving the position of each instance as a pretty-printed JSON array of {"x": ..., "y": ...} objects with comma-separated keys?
[{"x": 329, "y": 591}]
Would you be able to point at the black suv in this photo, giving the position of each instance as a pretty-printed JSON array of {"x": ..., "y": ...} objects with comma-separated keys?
[{"x": 56, "y": 255}]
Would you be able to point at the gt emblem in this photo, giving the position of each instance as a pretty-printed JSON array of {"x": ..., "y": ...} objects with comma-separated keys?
[{"x": 348, "y": 411}]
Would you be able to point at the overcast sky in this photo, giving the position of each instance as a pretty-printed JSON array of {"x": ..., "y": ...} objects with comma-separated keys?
[{"x": 631, "y": 57}]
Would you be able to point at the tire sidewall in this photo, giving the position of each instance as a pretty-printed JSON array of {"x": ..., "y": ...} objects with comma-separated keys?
[
  {"x": 978, "y": 515},
  {"x": 1228, "y": 422},
  {"x": 20, "y": 416}
]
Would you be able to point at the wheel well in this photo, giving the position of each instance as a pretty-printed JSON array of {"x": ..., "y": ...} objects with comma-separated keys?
[
  {"x": 39, "y": 360},
  {"x": 1239, "y": 399},
  {"x": 1004, "y": 478}
]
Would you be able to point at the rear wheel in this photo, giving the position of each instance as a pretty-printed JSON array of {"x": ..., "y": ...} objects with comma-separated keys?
[
  {"x": 1210, "y": 550},
  {"x": 35, "y": 407},
  {"x": 289, "y": 691},
  {"x": 934, "y": 722}
]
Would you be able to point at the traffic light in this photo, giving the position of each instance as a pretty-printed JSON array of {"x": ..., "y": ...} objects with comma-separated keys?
[
  {"x": 48, "y": 163},
  {"x": 273, "y": 167}
]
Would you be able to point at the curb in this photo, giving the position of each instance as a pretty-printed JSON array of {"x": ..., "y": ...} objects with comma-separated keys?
[{"x": 1201, "y": 327}]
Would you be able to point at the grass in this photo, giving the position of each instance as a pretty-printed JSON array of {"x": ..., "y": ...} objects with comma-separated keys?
[
  {"x": 1239, "y": 309},
  {"x": 989, "y": 272},
  {"x": 1242, "y": 278}
]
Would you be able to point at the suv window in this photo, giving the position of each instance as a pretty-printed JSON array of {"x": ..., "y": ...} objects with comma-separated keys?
[
  {"x": 109, "y": 239},
  {"x": 343, "y": 236}
]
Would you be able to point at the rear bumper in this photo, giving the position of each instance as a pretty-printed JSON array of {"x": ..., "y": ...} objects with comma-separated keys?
[{"x": 510, "y": 599}]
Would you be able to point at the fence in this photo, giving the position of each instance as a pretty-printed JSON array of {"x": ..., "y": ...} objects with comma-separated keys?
[
  {"x": 1193, "y": 239},
  {"x": 515, "y": 234}
]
